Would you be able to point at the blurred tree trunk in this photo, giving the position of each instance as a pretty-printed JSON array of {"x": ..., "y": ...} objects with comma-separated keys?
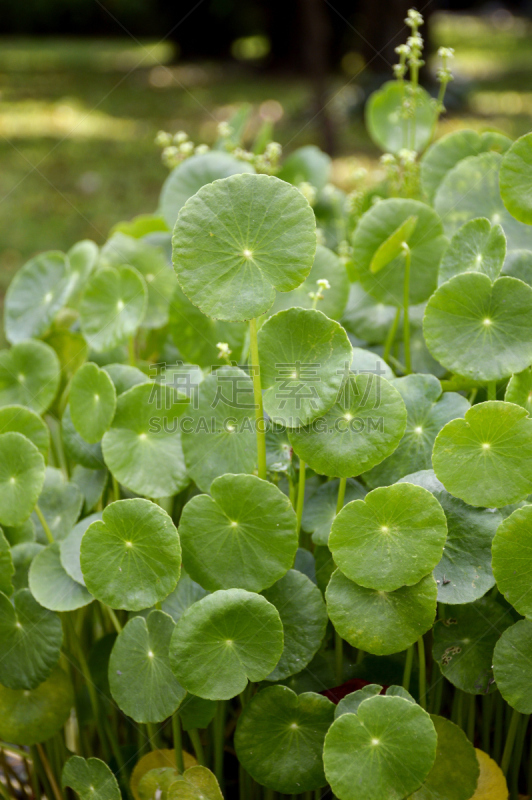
[{"x": 314, "y": 37}]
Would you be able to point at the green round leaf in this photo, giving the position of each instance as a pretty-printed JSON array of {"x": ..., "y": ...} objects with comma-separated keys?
[
  {"x": 392, "y": 538},
  {"x": 218, "y": 430},
  {"x": 240, "y": 238},
  {"x": 187, "y": 178},
  {"x": 196, "y": 336},
  {"x": 124, "y": 376},
  {"x": 29, "y": 375},
  {"x": 326, "y": 266},
  {"x": 366, "y": 362},
  {"x": 112, "y": 307},
  {"x": 22, "y": 555},
  {"x": 319, "y": 510},
  {"x": 426, "y": 243},
  {"x": 143, "y": 446},
  {"x": 76, "y": 448},
  {"x": 514, "y": 179},
  {"x": 18, "y": 419},
  {"x": 381, "y": 622},
  {"x": 475, "y": 247},
  {"x": 31, "y": 716},
  {"x": 519, "y": 389},
  {"x": 304, "y": 616},
  {"x": 196, "y": 783},
  {"x": 455, "y": 773},
  {"x": 22, "y": 472},
  {"x": 140, "y": 677},
  {"x": 480, "y": 329},
  {"x": 223, "y": 640},
  {"x": 90, "y": 778},
  {"x": 464, "y": 573},
  {"x": 307, "y": 164},
  {"x": 243, "y": 537},
  {"x": 390, "y": 126},
  {"x": 7, "y": 568},
  {"x": 92, "y": 402},
  {"x": 428, "y": 410},
  {"x": 185, "y": 594},
  {"x": 512, "y": 559},
  {"x": 303, "y": 357},
  {"x": 35, "y": 295},
  {"x": 358, "y": 432},
  {"x": 30, "y": 641},
  {"x": 60, "y": 503},
  {"x": 51, "y": 585},
  {"x": 463, "y": 643},
  {"x": 485, "y": 459},
  {"x": 445, "y": 154},
  {"x": 518, "y": 264},
  {"x": 512, "y": 659},
  {"x": 69, "y": 548},
  {"x": 132, "y": 557},
  {"x": 82, "y": 259},
  {"x": 366, "y": 318},
  {"x": 471, "y": 190},
  {"x": 91, "y": 483},
  {"x": 279, "y": 739},
  {"x": 385, "y": 750},
  {"x": 151, "y": 262},
  {"x": 351, "y": 702},
  {"x": 196, "y": 712}
]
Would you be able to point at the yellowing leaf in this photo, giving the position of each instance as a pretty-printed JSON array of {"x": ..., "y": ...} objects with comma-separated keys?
[
  {"x": 491, "y": 783},
  {"x": 154, "y": 760}
]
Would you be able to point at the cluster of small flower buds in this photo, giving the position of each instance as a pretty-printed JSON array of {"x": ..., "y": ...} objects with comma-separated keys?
[
  {"x": 268, "y": 162},
  {"x": 223, "y": 350},
  {"x": 177, "y": 147},
  {"x": 322, "y": 284},
  {"x": 308, "y": 191},
  {"x": 410, "y": 53},
  {"x": 444, "y": 73}
]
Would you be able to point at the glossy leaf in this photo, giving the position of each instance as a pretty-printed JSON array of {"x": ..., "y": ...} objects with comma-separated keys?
[
  {"x": 475, "y": 247},
  {"x": 479, "y": 329},
  {"x": 392, "y": 538},
  {"x": 512, "y": 559},
  {"x": 320, "y": 509},
  {"x": 304, "y": 616},
  {"x": 28, "y": 716},
  {"x": 29, "y": 375},
  {"x": 143, "y": 446},
  {"x": 514, "y": 179},
  {"x": 381, "y": 622},
  {"x": 389, "y": 126},
  {"x": 455, "y": 773},
  {"x": 239, "y": 239},
  {"x": 243, "y": 536},
  {"x": 223, "y": 640},
  {"x": 22, "y": 474},
  {"x": 112, "y": 307},
  {"x": 386, "y": 750},
  {"x": 140, "y": 677},
  {"x": 92, "y": 402},
  {"x": 279, "y": 739},
  {"x": 131, "y": 557},
  {"x": 484, "y": 459},
  {"x": 52, "y": 586},
  {"x": 358, "y": 432},
  {"x": 18, "y": 419},
  {"x": 512, "y": 666},
  {"x": 91, "y": 779}
]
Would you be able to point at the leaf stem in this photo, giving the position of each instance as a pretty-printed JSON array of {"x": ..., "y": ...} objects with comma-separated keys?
[
  {"x": 197, "y": 745},
  {"x": 339, "y": 658},
  {"x": 219, "y": 741},
  {"x": 131, "y": 351},
  {"x": 341, "y": 495},
  {"x": 44, "y": 524},
  {"x": 407, "y": 672},
  {"x": 391, "y": 336},
  {"x": 49, "y": 774},
  {"x": 301, "y": 494},
  {"x": 422, "y": 673},
  {"x": 257, "y": 393},
  {"x": 406, "y": 303},
  {"x": 178, "y": 742},
  {"x": 492, "y": 390},
  {"x": 471, "y": 718},
  {"x": 114, "y": 619},
  {"x": 510, "y": 739}
]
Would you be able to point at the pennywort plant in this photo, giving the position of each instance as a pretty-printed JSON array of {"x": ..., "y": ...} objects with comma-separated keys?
[{"x": 265, "y": 472}]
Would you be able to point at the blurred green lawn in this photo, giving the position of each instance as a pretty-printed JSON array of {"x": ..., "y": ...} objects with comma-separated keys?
[{"x": 78, "y": 120}]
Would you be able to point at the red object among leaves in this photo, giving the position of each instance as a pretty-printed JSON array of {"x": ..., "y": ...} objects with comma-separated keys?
[{"x": 338, "y": 692}]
